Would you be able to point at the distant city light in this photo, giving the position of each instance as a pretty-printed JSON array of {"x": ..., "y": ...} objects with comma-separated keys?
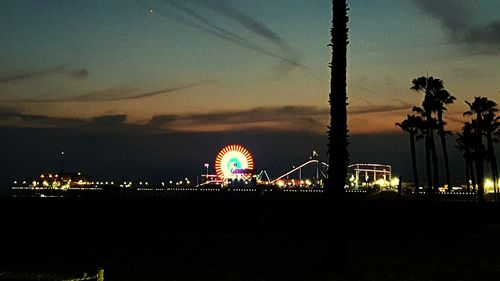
[
  {"x": 395, "y": 181},
  {"x": 489, "y": 184},
  {"x": 381, "y": 182}
]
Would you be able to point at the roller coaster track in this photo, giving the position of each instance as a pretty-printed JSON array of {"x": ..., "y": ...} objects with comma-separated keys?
[{"x": 312, "y": 161}]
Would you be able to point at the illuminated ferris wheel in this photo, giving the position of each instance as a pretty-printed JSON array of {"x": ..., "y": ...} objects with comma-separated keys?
[{"x": 234, "y": 162}]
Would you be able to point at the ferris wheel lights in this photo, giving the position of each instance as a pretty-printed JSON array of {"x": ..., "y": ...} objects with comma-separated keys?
[{"x": 234, "y": 162}]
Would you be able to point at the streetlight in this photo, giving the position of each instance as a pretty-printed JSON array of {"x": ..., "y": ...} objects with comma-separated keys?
[
  {"x": 62, "y": 162},
  {"x": 206, "y": 175}
]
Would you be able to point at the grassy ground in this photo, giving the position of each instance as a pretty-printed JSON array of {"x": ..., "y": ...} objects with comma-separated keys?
[{"x": 249, "y": 239}]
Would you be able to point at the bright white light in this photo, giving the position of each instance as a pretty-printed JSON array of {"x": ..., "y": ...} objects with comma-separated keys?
[
  {"x": 395, "y": 182},
  {"x": 231, "y": 161},
  {"x": 488, "y": 184},
  {"x": 381, "y": 182}
]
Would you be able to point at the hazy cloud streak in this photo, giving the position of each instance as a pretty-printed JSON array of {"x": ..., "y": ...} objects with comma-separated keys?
[
  {"x": 378, "y": 108},
  {"x": 199, "y": 22},
  {"x": 109, "y": 95},
  {"x": 244, "y": 19},
  {"x": 99, "y": 97},
  {"x": 14, "y": 77},
  {"x": 225, "y": 34}
]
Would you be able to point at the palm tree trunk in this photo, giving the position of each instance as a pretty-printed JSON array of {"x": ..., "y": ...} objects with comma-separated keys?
[
  {"x": 434, "y": 163},
  {"x": 428, "y": 168},
  {"x": 432, "y": 148},
  {"x": 479, "y": 161},
  {"x": 442, "y": 136},
  {"x": 493, "y": 163},
  {"x": 467, "y": 177},
  {"x": 473, "y": 178},
  {"x": 336, "y": 251},
  {"x": 338, "y": 137},
  {"x": 414, "y": 164},
  {"x": 480, "y": 179}
]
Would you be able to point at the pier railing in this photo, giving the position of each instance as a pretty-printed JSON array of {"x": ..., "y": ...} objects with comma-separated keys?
[{"x": 22, "y": 276}]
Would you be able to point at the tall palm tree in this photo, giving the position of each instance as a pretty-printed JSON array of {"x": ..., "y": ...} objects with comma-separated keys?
[
  {"x": 479, "y": 108},
  {"x": 443, "y": 98},
  {"x": 428, "y": 86},
  {"x": 435, "y": 100},
  {"x": 337, "y": 135},
  {"x": 427, "y": 127},
  {"x": 412, "y": 125},
  {"x": 491, "y": 127},
  {"x": 465, "y": 143}
]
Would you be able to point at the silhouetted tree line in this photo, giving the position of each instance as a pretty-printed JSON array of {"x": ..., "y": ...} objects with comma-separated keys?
[{"x": 476, "y": 139}]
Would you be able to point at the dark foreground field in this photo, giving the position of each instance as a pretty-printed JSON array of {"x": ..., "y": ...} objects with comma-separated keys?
[{"x": 247, "y": 238}]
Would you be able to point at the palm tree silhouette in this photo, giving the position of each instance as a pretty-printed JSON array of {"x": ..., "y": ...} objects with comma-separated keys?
[
  {"x": 491, "y": 127},
  {"x": 428, "y": 126},
  {"x": 435, "y": 100},
  {"x": 338, "y": 139},
  {"x": 412, "y": 125},
  {"x": 480, "y": 108},
  {"x": 337, "y": 131},
  {"x": 466, "y": 144},
  {"x": 443, "y": 98}
]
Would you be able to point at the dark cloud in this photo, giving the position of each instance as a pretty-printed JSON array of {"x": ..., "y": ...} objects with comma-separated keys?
[
  {"x": 162, "y": 120},
  {"x": 18, "y": 76},
  {"x": 106, "y": 123},
  {"x": 455, "y": 17},
  {"x": 109, "y": 120},
  {"x": 487, "y": 33},
  {"x": 78, "y": 74},
  {"x": 15, "y": 118},
  {"x": 285, "y": 118},
  {"x": 252, "y": 24},
  {"x": 378, "y": 108},
  {"x": 258, "y": 115}
]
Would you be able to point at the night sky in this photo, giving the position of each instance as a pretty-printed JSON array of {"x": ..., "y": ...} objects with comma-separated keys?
[{"x": 153, "y": 89}]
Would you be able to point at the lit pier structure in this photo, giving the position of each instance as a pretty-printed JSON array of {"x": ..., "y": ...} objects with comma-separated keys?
[
  {"x": 320, "y": 169},
  {"x": 234, "y": 167},
  {"x": 58, "y": 182},
  {"x": 370, "y": 175},
  {"x": 233, "y": 170}
]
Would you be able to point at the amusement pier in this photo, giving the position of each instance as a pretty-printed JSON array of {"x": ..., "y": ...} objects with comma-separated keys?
[{"x": 234, "y": 173}]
